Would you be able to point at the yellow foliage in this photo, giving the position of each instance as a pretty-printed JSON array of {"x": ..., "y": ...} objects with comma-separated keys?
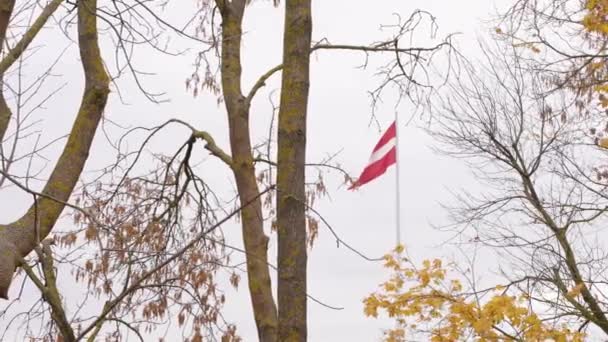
[
  {"x": 400, "y": 248},
  {"x": 422, "y": 296},
  {"x": 595, "y": 18},
  {"x": 595, "y": 24}
]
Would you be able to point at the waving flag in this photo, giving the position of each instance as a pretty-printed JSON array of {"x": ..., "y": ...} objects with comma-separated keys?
[{"x": 383, "y": 156}]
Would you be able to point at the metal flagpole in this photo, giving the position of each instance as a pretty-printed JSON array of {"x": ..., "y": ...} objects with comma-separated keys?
[{"x": 397, "y": 185}]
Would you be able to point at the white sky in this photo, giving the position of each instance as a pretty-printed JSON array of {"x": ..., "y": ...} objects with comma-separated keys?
[{"x": 339, "y": 113}]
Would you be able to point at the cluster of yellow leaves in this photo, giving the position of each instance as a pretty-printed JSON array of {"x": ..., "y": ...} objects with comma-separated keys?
[
  {"x": 595, "y": 19},
  {"x": 422, "y": 296},
  {"x": 595, "y": 24}
]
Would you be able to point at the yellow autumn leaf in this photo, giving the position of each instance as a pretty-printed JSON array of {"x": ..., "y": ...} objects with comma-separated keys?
[
  {"x": 399, "y": 249},
  {"x": 424, "y": 299}
]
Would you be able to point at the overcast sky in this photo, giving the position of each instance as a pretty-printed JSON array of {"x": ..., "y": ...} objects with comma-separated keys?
[{"x": 339, "y": 115}]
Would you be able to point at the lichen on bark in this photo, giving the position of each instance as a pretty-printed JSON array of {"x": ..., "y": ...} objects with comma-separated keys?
[{"x": 18, "y": 239}]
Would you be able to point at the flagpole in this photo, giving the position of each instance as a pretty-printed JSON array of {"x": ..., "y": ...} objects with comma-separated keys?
[{"x": 397, "y": 184}]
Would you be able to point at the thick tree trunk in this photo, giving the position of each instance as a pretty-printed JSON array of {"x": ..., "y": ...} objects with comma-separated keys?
[
  {"x": 254, "y": 238},
  {"x": 291, "y": 202},
  {"x": 19, "y": 238}
]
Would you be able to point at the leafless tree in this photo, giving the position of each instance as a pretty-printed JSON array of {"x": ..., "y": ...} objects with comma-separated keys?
[{"x": 544, "y": 204}]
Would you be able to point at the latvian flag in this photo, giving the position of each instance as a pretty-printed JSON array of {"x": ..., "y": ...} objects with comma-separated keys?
[{"x": 383, "y": 156}]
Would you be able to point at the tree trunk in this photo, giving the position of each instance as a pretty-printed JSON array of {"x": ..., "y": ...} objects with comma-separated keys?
[
  {"x": 19, "y": 238},
  {"x": 291, "y": 201},
  {"x": 254, "y": 239}
]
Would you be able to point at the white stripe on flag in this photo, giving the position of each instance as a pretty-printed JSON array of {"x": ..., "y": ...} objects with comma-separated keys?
[{"x": 382, "y": 151}]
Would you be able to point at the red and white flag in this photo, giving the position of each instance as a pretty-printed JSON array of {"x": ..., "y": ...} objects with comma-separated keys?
[{"x": 383, "y": 156}]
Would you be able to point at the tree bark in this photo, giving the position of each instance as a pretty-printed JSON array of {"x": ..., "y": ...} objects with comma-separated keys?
[
  {"x": 49, "y": 291},
  {"x": 254, "y": 239},
  {"x": 17, "y": 239},
  {"x": 291, "y": 158}
]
